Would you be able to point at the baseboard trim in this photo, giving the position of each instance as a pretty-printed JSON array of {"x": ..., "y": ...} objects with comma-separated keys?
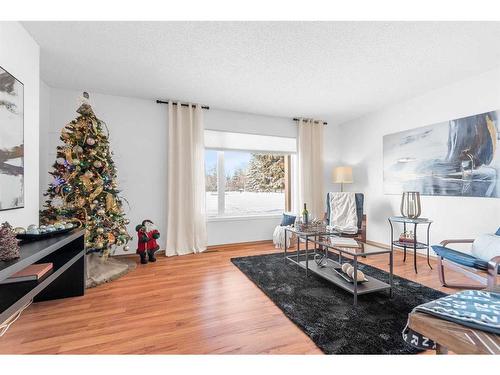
[{"x": 232, "y": 246}]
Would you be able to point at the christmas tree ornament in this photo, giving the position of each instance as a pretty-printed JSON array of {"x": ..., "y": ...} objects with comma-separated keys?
[
  {"x": 77, "y": 149},
  {"x": 90, "y": 141},
  {"x": 19, "y": 230},
  {"x": 9, "y": 245},
  {"x": 98, "y": 164},
  {"x": 101, "y": 212},
  {"x": 84, "y": 164},
  {"x": 126, "y": 248},
  {"x": 75, "y": 161},
  {"x": 60, "y": 161},
  {"x": 100, "y": 230},
  {"x": 32, "y": 229}
]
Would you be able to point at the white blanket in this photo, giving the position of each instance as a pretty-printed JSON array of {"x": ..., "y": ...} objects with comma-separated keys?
[
  {"x": 279, "y": 237},
  {"x": 343, "y": 216}
]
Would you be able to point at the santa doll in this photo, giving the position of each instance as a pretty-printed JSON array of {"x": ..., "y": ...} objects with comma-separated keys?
[{"x": 147, "y": 245}]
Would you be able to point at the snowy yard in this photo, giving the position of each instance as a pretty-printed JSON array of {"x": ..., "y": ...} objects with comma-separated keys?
[{"x": 247, "y": 203}]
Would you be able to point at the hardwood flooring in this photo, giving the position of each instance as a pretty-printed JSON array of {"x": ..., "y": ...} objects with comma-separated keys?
[{"x": 192, "y": 304}]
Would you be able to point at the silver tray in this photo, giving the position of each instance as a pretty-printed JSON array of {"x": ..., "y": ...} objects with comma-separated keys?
[{"x": 346, "y": 277}]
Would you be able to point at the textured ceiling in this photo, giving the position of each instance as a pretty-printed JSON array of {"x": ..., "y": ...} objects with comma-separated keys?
[{"x": 332, "y": 70}]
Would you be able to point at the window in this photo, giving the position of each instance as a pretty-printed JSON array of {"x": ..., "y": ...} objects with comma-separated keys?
[{"x": 247, "y": 182}]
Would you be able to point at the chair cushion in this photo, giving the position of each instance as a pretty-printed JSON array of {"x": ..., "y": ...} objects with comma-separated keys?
[
  {"x": 287, "y": 219},
  {"x": 460, "y": 258},
  {"x": 486, "y": 246}
]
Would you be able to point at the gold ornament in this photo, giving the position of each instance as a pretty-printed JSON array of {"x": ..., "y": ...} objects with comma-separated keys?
[
  {"x": 97, "y": 164},
  {"x": 96, "y": 193},
  {"x": 101, "y": 212},
  {"x": 110, "y": 202},
  {"x": 100, "y": 230}
]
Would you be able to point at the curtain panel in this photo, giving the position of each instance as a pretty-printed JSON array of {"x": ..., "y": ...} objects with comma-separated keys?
[
  {"x": 310, "y": 167},
  {"x": 186, "y": 225}
]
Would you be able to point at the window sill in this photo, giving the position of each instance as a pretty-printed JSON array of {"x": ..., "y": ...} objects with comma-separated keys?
[{"x": 243, "y": 218}]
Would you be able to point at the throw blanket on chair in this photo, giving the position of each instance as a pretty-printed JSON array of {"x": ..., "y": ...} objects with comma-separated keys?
[
  {"x": 279, "y": 237},
  {"x": 343, "y": 216}
]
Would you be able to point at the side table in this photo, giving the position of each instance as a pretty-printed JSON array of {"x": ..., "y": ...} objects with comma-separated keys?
[{"x": 415, "y": 244}]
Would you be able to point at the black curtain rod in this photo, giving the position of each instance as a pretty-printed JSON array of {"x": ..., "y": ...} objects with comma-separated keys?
[
  {"x": 182, "y": 104},
  {"x": 316, "y": 122}
]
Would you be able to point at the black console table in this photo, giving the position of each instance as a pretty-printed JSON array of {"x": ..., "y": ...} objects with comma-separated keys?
[{"x": 67, "y": 278}]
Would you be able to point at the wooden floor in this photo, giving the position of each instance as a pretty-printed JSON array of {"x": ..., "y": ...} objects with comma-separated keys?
[{"x": 191, "y": 304}]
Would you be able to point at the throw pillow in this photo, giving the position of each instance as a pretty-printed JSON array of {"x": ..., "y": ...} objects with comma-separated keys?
[
  {"x": 287, "y": 220},
  {"x": 486, "y": 247}
]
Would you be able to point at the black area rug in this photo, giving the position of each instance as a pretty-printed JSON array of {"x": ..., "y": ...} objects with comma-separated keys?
[{"x": 326, "y": 313}]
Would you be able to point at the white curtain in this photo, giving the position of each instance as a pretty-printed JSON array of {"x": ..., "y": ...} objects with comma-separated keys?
[
  {"x": 186, "y": 225},
  {"x": 310, "y": 167}
]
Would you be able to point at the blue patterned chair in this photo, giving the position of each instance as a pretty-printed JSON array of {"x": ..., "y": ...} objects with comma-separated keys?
[{"x": 480, "y": 270}]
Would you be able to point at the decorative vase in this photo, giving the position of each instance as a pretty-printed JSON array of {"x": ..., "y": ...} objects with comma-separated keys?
[{"x": 410, "y": 204}]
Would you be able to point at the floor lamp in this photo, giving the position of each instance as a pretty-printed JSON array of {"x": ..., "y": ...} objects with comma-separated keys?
[{"x": 342, "y": 175}]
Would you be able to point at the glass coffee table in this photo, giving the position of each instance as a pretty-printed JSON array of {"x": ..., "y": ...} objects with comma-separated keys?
[{"x": 327, "y": 259}]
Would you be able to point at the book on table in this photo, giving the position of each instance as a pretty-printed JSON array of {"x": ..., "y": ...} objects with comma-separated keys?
[
  {"x": 34, "y": 272},
  {"x": 344, "y": 242}
]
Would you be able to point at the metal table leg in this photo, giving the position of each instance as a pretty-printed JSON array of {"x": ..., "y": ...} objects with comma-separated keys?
[
  {"x": 286, "y": 233},
  {"x": 428, "y": 243},
  {"x": 391, "y": 271},
  {"x": 355, "y": 276},
  {"x": 404, "y": 247},
  {"x": 298, "y": 250},
  {"x": 415, "y": 247},
  {"x": 307, "y": 255}
]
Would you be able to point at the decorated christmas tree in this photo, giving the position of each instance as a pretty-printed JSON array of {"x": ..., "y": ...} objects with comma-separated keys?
[{"x": 84, "y": 189}]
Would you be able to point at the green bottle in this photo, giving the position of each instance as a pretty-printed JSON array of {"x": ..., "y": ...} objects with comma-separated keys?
[{"x": 305, "y": 215}]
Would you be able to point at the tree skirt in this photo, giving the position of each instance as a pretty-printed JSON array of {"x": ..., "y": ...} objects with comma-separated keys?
[
  {"x": 326, "y": 313},
  {"x": 100, "y": 271}
]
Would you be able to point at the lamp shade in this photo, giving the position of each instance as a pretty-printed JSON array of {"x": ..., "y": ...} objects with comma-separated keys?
[{"x": 342, "y": 175}]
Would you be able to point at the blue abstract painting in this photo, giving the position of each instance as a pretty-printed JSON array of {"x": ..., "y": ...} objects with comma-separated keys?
[
  {"x": 11, "y": 142},
  {"x": 458, "y": 157}
]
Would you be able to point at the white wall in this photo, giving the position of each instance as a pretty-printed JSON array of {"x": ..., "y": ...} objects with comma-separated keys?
[
  {"x": 138, "y": 138},
  {"x": 20, "y": 56},
  {"x": 454, "y": 217}
]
